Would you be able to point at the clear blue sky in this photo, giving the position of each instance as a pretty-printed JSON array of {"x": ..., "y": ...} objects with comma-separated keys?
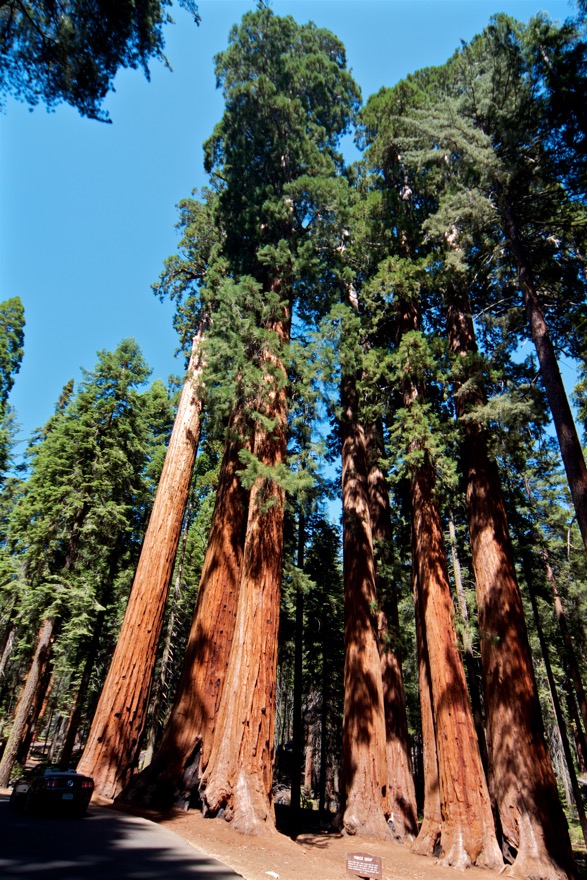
[{"x": 88, "y": 210}]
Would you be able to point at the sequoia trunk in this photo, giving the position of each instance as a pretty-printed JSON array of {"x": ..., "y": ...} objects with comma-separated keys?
[
  {"x": 174, "y": 775},
  {"x": 239, "y": 774},
  {"x": 428, "y": 838},
  {"x": 403, "y": 820},
  {"x": 113, "y": 744},
  {"x": 364, "y": 804},
  {"x": 521, "y": 777},
  {"x": 467, "y": 832}
]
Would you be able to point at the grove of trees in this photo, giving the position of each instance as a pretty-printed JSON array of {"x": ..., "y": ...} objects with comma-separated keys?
[{"x": 181, "y": 613}]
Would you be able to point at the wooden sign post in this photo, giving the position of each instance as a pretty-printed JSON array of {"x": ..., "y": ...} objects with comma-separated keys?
[{"x": 361, "y": 864}]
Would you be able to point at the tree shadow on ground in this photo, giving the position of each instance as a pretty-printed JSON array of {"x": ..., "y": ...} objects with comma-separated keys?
[{"x": 105, "y": 843}]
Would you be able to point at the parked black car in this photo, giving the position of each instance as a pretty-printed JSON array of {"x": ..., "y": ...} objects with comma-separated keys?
[{"x": 52, "y": 788}]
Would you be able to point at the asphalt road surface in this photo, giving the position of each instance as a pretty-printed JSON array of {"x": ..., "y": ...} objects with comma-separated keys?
[{"x": 105, "y": 844}]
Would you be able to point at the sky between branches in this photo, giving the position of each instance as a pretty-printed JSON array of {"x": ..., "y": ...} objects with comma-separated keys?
[{"x": 87, "y": 210}]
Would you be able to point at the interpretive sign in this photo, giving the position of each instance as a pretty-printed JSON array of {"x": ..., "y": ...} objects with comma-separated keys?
[{"x": 363, "y": 865}]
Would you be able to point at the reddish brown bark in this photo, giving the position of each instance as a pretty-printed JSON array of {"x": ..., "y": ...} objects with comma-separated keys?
[
  {"x": 556, "y": 703},
  {"x": 570, "y": 653},
  {"x": 467, "y": 831},
  {"x": 428, "y": 839},
  {"x": 239, "y": 774},
  {"x": 364, "y": 804},
  {"x": 403, "y": 820},
  {"x": 38, "y": 670},
  {"x": 113, "y": 743},
  {"x": 521, "y": 777},
  {"x": 471, "y": 664},
  {"x": 174, "y": 775},
  {"x": 467, "y": 834},
  {"x": 297, "y": 719}
]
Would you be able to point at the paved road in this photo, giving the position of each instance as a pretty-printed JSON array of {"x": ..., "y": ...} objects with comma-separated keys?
[{"x": 104, "y": 845}]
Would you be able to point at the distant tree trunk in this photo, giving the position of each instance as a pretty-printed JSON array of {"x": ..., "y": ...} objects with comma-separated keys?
[
  {"x": 570, "y": 653},
  {"x": 558, "y": 712},
  {"x": 239, "y": 774},
  {"x": 364, "y": 807},
  {"x": 39, "y": 704},
  {"x": 576, "y": 727},
  {"x": 521, "y": 776},
  {"x": 570, "y": 656},
  {"x": 7, "y": 640},
  {"x": 471, "y": 663},
  {"x": 173, "y": 777},
  {"x": 38, "y": 667},
  {"x": 566, "y": 432},
  {"x": 298, "y": 727},
  {"x": 402, "y": 792},
  {"x": 113, "y": 744},
  {"x": 76, "y": 712},
  {"x": 309, "y": 757},
  {"x": 427, "y": 842},
  {"x": 91, "y": 652},
  {"x": 323, "y": 802}
]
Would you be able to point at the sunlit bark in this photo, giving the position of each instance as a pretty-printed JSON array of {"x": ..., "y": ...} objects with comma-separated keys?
[
  {"x": 174, "y": 775},
  {"x": 521, "y": 777},
  {"x": 112, "y": 748},
  {"x": 239, "y": 774}
]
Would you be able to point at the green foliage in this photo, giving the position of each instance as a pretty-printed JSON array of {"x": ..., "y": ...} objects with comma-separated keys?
[
  {"x": 75, "y": 529},
  {"x": 11, "y": 344},
  {"x": 272, "y": 157},
  {"x": 71, "y": 51}
]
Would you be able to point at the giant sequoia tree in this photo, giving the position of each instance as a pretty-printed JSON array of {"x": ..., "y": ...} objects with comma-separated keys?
[
  {"x": 288, "y": 100},
  {"x": 112, "y": 747},
  {"x": 273, "y": 164},
  {"x": 469, "y": 198}
]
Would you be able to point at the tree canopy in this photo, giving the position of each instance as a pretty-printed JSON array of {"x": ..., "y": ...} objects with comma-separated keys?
[{"x": 70, "y": 51}]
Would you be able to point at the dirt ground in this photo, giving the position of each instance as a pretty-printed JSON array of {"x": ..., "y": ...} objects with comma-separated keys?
[{"x": 311, "y": 856}]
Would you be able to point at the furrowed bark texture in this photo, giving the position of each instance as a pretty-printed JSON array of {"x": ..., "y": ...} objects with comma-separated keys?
[
  {"x": 39, "y": 664},
  {"x": 239, "y": 775},
  {"x": 471, "y": 664},
  {"x": 174, "y": 775},
  {"x": 428, "y": 840},
  {"x": 467, "y": 835},
  {"x": 467, "y": 832},
  {"x": 364, "y": 805},
  {"x": 521, "y": 777},
  {"x": 113, "y": 744},
  {"x": 403, "y": 819}
]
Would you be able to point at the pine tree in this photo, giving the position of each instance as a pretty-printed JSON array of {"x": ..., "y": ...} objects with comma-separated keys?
[{"x": 83, "y": 497}]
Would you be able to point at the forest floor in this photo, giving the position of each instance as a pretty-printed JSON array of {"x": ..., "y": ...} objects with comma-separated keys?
[{"x": 312, "y": 855}]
